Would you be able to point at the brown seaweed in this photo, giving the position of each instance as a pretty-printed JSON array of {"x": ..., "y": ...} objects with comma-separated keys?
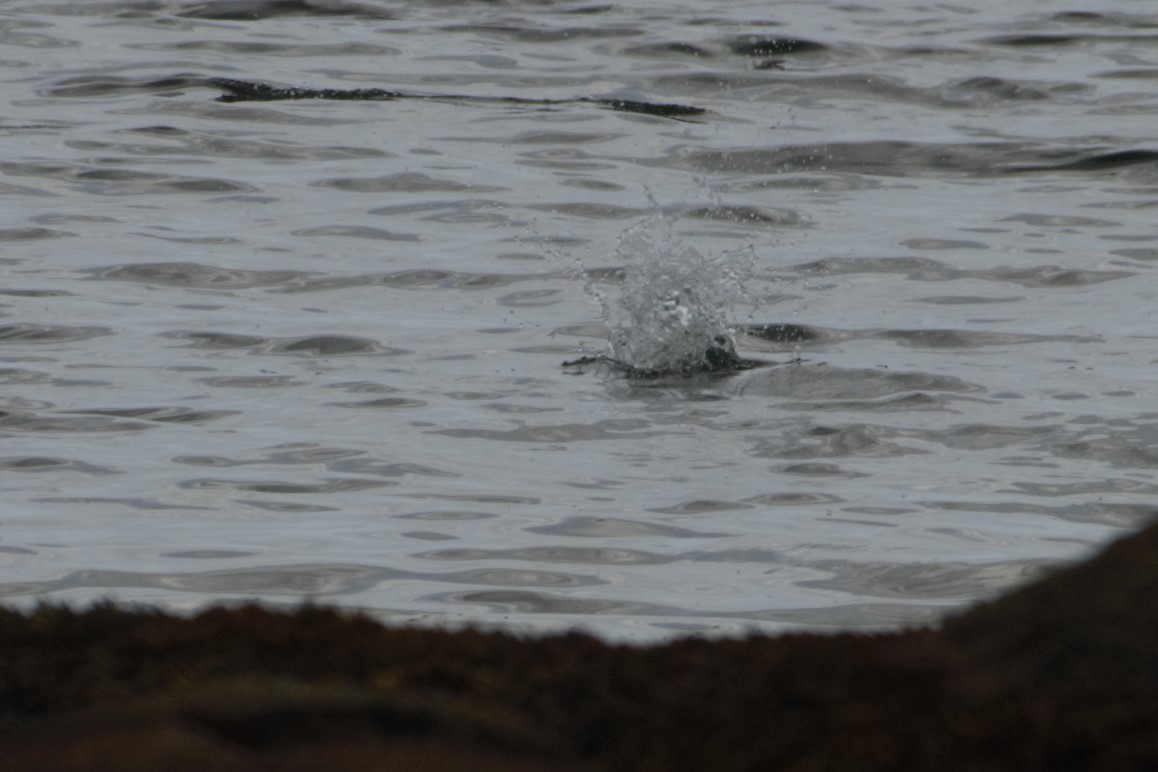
[{"x": 1062, "y": 674}]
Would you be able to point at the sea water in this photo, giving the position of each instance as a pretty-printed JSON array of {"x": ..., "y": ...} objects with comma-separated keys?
[{"x": 311, "y": 350}]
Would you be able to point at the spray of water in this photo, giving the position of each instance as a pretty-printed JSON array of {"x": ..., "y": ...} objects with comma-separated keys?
[{"x": 673, "y": 314}]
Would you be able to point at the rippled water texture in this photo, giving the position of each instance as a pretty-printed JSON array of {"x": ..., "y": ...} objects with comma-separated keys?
[{"x": 311, "y": 349}]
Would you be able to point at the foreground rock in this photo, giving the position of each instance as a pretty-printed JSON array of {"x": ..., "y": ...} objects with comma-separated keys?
[{"x": 1062, "y": 674}]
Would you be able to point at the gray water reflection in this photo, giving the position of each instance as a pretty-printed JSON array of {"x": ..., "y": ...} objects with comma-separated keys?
[{"x": 311, "y": 348}]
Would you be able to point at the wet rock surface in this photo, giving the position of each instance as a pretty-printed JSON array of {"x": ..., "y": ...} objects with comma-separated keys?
[{"x": 1061, "y": 674}]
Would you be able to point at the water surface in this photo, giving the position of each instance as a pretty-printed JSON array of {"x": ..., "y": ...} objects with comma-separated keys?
[{"x": 311, "y": 349}]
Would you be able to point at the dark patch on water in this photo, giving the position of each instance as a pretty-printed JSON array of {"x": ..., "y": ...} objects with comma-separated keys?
[
  {"x": 48, "y": 333},
  {"x": 556, "y": 554},
  {"x": 924, "y": 269},
  {"x": 254, "y": 10},
  {"x": 94, "y": 86},
  {"x": 51, "y": 464},
  {"x": 554, "y": 434},
  {"x": 248, "y": 91},
  {"x": 782, "y": 333},
  {"x": 774, "y": 46},
  {"x": 218, "y": 340},
  {"x": 668, "y": 49},
  {"x": 1001, "y": 89},
  {"x": 836, "y": 383},
  {"x": 332, "y": 345},
  {"x": 317, "y": 345},
  {"x": 416, "y": 279},
  {"x": 966, "y": 338},
  {"x": 646, "y": 108},
  {"x": 32, "y": 234},
  {"x": 176, "y": 415},
  {"x": 1080, "y": 16},
  {"x": 1042, "y": 41},
  {"x": 195, "y": 275},
  {"x": 1092, "y": 163},
  {"x": 720, "y": 359},
  {"x": 1034, "y": 40},
  {"x": 892, "y": 158},
  {"x": 541, "y": 34},
  {"x": 610, "y": 527}
]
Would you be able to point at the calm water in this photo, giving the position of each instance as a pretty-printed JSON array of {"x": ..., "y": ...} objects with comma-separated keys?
[{"x": 311, "y": 349}]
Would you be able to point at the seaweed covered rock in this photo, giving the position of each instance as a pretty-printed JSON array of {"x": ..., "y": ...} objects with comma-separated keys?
[{"x": 1062, "y": 674}]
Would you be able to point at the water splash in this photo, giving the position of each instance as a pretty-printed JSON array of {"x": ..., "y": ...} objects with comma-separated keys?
[{"x": 673, "y": 314}]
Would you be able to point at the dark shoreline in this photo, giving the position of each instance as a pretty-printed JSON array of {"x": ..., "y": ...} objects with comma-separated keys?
[{"x": 1061, "y": 674}]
